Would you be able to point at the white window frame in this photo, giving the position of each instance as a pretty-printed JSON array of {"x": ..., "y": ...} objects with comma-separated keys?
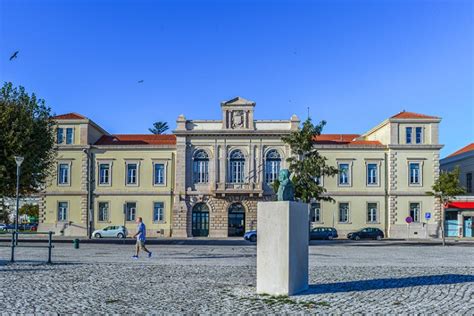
[
  {"x": 72, "y": 136},
  {"x": 106, "y": 184},
  {"x": 66, "y": 211},
  {"x": 320, "y": 221},
  {"x": 349, "y": 173},
  {"x": 165, "y": 168},
  {"x": 127, "y": 219},
  {"x": 411, "y": 135},
  {"x": 60, "y": 140},
  {"x": 377, "y": 213},
  {"x": 421, "y": 135},
  {"x": 415, "y": 220},
  {"x": 163, "y": 209},
  {"x": 200, "y": 167},
  {"x": 339, "y": 212},
  {"x": 272, "y": 166},
  {"x": 420, "y": 173},
  {"x": 107, "y": 219},
  {"x": 68, "y": 183},
  {"x": 137, "y": 175},
  {"x": 377, "y": 177},
  {"x": 237, "y": 169}
]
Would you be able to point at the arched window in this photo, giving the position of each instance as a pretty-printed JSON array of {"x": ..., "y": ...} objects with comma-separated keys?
[
  {"x": 272, "y": 165},
  {"x": 200, "y": 167},
  {"x": 236, "y": 167}
]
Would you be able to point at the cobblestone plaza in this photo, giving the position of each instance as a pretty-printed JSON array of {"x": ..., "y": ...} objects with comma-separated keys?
[{"x": 372, "y": 277}]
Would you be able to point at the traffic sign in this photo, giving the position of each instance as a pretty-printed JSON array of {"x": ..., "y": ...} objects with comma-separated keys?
[
  {"x": 427, "y": 215},
  {"x": 408, "y": 219}
]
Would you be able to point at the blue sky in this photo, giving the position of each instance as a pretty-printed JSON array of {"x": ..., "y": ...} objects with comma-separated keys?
[{"x": 354, "y": 63}]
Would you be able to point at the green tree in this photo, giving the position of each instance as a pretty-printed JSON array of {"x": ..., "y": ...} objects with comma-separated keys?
[
  {"x": 32, "y": 210},
  {"x": 445, "y": 189},
  {"x": 306, "y": 164},
  {"x": 26, "y": 130},
  {"x": 159, "y": 128}
]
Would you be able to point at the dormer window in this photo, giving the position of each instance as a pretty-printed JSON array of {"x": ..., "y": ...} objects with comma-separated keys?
[
  {"x": 59, "y": 135},
  {"x": 419, "y": 135},
  {"x": 409, "y": 132},
  {"x": 68, "y": 138},
  {"x": 69, "y": 135}
]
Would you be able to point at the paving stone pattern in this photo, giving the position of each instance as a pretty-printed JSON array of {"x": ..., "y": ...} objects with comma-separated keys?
[{"x": 348, "y": 278}]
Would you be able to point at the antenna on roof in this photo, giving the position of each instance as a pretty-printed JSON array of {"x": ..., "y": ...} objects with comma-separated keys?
[{"x": 308, "y": 111}]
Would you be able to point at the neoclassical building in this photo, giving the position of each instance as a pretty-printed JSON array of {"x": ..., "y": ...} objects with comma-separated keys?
[
  {"x": 224, "y": 167},
  {"x": 207, "y": 178}
]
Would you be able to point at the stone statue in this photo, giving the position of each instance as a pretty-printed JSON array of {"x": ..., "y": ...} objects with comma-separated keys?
[{"x": 286, "y": 190}]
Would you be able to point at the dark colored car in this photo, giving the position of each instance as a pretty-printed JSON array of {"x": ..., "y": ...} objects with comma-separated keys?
[
  {"x": 323, "y": 233},
  {"x": 366, "y": 233},
  {"x": 251, "y": 235}
]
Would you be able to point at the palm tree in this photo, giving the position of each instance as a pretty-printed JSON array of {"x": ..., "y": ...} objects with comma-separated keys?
[{"x": 159, "y": 127}]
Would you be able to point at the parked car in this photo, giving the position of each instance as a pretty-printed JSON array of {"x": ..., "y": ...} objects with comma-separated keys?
[
  {"x": 251, "y": 235},
  {"x": 3, "y": 227},
  {"x": 323, "y": 233},
  {"x": 366, "y": 233},
  {"x": 111, "y": 231}
]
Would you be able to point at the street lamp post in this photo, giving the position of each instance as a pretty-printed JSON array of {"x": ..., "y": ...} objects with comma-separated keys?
[{"x": 18, "y": 160}]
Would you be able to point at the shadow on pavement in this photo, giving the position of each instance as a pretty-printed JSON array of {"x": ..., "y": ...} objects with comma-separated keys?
[{"x": 380, "y": 284}]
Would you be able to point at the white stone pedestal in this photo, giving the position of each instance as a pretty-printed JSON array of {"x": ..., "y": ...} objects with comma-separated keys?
[{"x": 282, "y": 247}]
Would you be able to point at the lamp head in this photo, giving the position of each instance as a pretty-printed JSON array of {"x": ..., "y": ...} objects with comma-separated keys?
[{"x": 19, "y": 160}]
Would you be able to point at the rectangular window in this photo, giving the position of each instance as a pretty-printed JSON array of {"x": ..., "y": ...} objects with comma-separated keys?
[
  {"x": 344, "y": 174},
  {"x": 130, "y": 211},
  {"x": 372, "y": 213},
  {"x": 409, "y": 135},
  {"x": 132, "y": 169},
  {"x": 62, "y": 211},
  {"x": 315, "y": 212},
  {"x": 200, "y": 170},
  {"x": 372, "y": 174},
  {"x": 237, "y": 171},
  {"x": 59, "y": 135},
  {"x": 158, "y": 212},
  {"x": 415, "y": 177},
  {"x": 469, "y": 182},
  {"x": 159, "y": 176},
  {"x": 103, "y": 211},
  {"x": 104, "y": 173},
  {"x": 69, "y": 135},
  {"x": 419, "y": 135},
  {"x": 63, "y": 173},
  {"x": 415, "y": 212},
  {"x": 343, "y": 212},
  {"x": 319, "y": 180}
]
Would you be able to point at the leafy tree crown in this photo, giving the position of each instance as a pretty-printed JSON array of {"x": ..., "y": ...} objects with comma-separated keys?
[{"x": 306, "y": 164}]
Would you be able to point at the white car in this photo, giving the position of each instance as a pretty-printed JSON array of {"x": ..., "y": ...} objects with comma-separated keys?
[
  {"x": 3, "y": 227},
  {"x": 111, "y": 231}
]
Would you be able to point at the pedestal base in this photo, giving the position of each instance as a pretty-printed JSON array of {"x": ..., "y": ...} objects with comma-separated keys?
[{"x": 282, "y": 247}]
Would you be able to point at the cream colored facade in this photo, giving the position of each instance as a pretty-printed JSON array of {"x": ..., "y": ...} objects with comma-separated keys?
[
  {"x": 207, "y": 209},
  {"x": 214, "y": 172},
  {"x": 81, "y": 185}
]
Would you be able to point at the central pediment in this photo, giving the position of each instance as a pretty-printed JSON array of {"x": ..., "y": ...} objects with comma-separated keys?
[{"x": 237, "y": 101}]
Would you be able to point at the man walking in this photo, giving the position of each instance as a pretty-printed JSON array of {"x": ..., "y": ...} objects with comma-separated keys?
[{"x": 141, "y": 238}]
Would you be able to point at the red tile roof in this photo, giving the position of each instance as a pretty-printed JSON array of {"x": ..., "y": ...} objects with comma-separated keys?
[
  {"x": 463, "y": 150},
  {"x": 69, "y": 116},
  {"x": 344, "y": 139},
  {"x": 411, "y": 115},
  {"x": 137, "y": 139}
]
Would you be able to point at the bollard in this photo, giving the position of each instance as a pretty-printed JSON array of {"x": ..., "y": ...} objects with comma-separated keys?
[
  {"x": 76, "y": 243},
  {"x": 50, "y": 245}
]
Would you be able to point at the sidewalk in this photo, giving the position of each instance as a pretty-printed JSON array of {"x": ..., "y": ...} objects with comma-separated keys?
[{"x": 235, "y": 241}]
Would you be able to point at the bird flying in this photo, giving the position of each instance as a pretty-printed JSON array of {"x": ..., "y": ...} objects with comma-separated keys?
[
  {"x": 15, "y": 54},
  {"x": 140, "y": 81}
]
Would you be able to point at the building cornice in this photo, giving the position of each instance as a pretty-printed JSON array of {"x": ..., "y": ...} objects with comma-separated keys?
[
  {"x": 133, "y": 193},
  {"x": 415, "y": 147}
]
